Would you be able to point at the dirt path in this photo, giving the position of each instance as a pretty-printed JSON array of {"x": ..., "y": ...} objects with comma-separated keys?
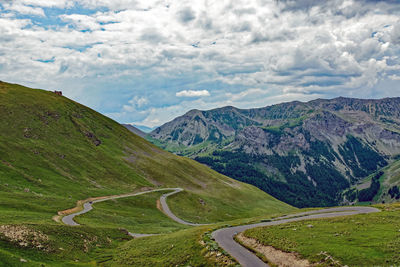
[{"x": 275, "y": 256}]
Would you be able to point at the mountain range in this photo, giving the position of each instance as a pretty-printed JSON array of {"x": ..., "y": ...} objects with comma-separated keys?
[
  {"x": 305, "y": 154},
  {"x": 57, "y": 156}
]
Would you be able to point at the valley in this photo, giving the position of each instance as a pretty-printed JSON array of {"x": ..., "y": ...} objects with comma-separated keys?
[{"x": 303, "y": 153}]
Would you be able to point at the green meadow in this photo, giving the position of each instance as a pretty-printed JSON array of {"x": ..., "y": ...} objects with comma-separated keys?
[{"x": 361, "y": 240}]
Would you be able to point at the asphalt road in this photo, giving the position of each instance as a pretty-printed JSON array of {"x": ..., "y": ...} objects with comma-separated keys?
[
  {"x": 224, "y": 237},
  {"x": 167, "y": 211},
  {"x": 69, "y": 219}
]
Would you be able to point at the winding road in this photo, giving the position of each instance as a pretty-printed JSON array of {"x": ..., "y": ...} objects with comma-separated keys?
[
  {"x": 225, "y": 236},
  {"x": 88, "y": 206},
  {"x": 167, "y": 211}
]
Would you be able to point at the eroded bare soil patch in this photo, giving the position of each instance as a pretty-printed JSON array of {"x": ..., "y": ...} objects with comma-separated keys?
[
  {"x": 274, "y": 256},
  {"x": 23, "y": 236}
]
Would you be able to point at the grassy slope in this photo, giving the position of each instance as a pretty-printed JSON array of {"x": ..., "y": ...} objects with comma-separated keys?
[
  {"x": 66, "y": 246},
  {"x": 362, "y": 240},
  {"x": 391, "y": 177},
  {"x": 136, "y": 214},
  {"x": 59, "y": 164},
  {"x": 49, "y": 160},
  {"x": 181, "y": 248}
]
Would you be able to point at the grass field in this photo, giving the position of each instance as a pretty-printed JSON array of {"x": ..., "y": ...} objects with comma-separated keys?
[
  {"x": 138, "y": 214},
  {"x": 57, "y": 245},
  {"x": 361, "y": 240},
  {"x": 181, "y": 248}
]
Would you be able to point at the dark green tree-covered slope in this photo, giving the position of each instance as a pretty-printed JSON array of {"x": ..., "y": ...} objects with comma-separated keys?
[{"x": 305, "y": 154}]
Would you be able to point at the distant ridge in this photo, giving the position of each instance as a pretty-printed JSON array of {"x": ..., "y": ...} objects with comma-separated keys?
[
  {"x": 144, "y": 128},
  {"x": 135, "y": 130},
  {"x": 303, "y": 153}
]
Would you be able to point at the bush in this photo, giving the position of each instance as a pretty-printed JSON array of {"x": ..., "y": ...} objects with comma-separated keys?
[
  {"x": 394, "y": 192},
  {"x": 368, "y": 194}
]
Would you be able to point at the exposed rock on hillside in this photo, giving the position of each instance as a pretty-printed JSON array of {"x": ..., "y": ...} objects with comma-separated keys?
[{"x": 285, "y": 149}]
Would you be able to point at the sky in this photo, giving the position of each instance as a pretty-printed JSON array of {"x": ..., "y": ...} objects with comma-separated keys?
[{"x": 149, "y": 61}]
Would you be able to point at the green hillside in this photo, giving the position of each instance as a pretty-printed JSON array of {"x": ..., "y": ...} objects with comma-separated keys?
[
  {"x": 54, "y": 151},
  {"x": 361, "y": 240},
  {"x": 381, "y": 187}
]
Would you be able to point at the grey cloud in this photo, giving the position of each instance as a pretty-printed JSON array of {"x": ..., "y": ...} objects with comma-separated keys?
[
  {"x": 244, "y": 11},
  {"x": 244, "y": 26},
  {"x": 341, "y": 7},
  {"x": 294, "y": 5},
  {"x": 186, "y": 15},
  {"x": 273, "y": 36},
  {"x": 179, "y": 53},
  {"x": 395, "y": 34},
  {"x": 152, "y": 35},
  {"x": 246, "y": 68},
  {"x": 205, "y": 22},
  {"x": 63, "y": 68}
]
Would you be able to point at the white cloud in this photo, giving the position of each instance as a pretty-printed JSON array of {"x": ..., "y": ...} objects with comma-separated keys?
[
  {"x": 48, "y": 3},
  {"x": 192, "y": 93},
  {"x": 394, "y": 77},
  {"x": 135, "y": 104},
  {"x": 82, "y": 22},
  {"x": 24, "y": 9},
  {"x": 129, "y": 58},
  {"x": 395, "y": 33}
]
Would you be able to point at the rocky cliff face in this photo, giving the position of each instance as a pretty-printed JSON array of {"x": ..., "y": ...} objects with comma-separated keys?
[{"x": 285, "y": 149}]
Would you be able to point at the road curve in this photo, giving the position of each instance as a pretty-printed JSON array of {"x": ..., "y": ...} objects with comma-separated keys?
[
  {"x": 87, "y": 206},
  {"x": 168, "y": 212},
  {"x": 224, "y": 237}
]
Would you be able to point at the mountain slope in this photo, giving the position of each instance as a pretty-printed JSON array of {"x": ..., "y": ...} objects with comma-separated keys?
[
  {"x": 302, "y": 153},
  {"x": 135, "y": 130},
  {"x": 54, "y": 151},
  {"x": 52, "y": 147},
  {"x": 382, "y": 187}
]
